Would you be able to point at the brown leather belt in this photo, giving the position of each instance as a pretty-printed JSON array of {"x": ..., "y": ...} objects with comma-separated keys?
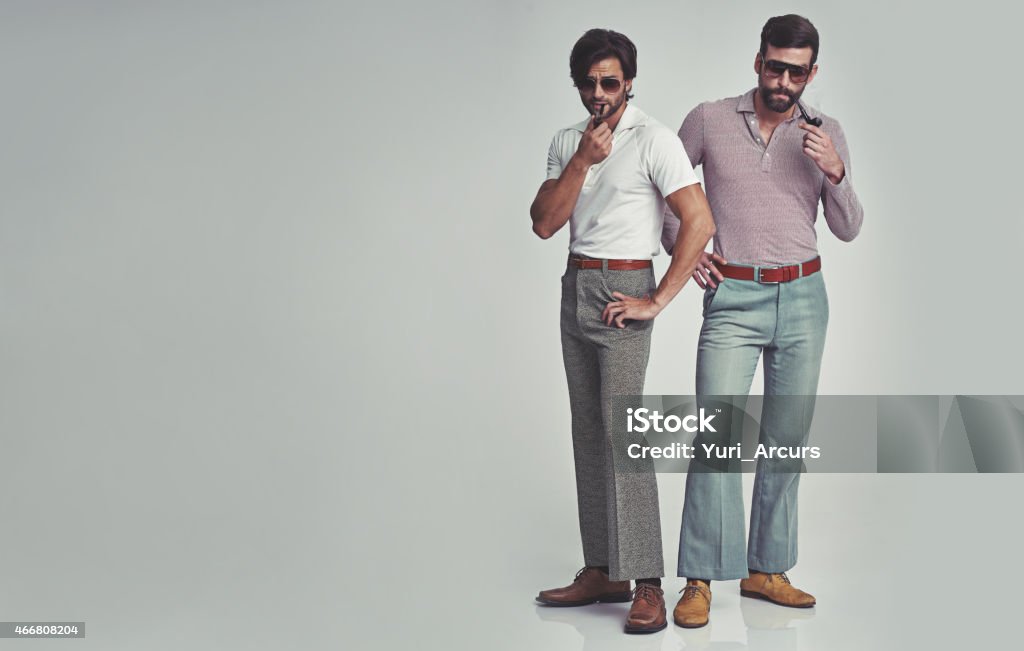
[
  {"x": 615, "y": 265},
  {"x": 771, "y": 274}
]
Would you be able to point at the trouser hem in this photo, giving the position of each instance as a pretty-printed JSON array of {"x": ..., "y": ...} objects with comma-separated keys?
[
  {"x": 635, "y": 572},
  {"x": 769, "y": 568},
  {"x": 716, "y": 574}
]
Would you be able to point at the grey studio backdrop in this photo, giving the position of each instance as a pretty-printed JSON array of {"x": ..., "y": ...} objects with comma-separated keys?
[{"x": 279, "y": 354}]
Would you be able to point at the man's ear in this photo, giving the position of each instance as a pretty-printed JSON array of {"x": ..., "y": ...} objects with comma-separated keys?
[
  {"x": 814, "y": 72},
  {"x": 757, "y": 63}
]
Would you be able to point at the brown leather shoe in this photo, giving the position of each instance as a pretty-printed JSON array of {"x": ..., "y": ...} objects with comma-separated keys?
[
  {"x": 694, "y": 606},
  {"x": 647, "y": 614},
  {"x": 590, "y": 586},
  {"x": 775, "y": 588}
]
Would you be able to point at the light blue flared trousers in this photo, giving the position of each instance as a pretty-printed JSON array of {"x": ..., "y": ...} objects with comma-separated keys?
[{"x": 785, "y": 322}]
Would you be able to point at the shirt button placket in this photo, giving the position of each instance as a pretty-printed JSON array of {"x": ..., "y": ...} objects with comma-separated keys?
[{"x": 766, "y": 158}]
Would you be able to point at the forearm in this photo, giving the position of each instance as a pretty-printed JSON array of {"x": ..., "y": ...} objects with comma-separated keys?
[
  {"x": 669, "y": 232},
  {"x": 696, "y": 230},
  {"x": 554, "y": 205},
  {"x": 842, "y": 208},
  {"x": 843, "y": 212}
]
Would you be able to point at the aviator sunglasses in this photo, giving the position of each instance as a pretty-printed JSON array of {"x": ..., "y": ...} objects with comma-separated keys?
[
  {"x": 797, "y": 74},
  {"x": 608, "y": 84}
]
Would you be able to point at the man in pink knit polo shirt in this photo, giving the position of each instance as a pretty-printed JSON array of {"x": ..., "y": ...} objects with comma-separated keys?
[{"x": 768, "y": 161}]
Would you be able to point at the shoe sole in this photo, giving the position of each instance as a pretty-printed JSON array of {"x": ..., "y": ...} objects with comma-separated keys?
[
  {"x": 612, "y": 598},
  {"x": 681, "y": 625},
  {"x": 638, "y": 630},
  {"x": 758, "y": 595}
]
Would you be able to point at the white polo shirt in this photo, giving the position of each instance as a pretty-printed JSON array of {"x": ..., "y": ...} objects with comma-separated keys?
[{"x": 619, "y": 212}]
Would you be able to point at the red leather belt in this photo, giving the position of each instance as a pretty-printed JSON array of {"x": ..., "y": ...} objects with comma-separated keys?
[
  {"x": 616, "y": 265},
  {"x": 771, "y": 274}
]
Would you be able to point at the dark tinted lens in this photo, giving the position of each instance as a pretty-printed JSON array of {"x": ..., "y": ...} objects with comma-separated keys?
[
  {"x": 797, "y": 74},
  {"x": 586, "y": 84},
  {"x": 610, "y": 84}
]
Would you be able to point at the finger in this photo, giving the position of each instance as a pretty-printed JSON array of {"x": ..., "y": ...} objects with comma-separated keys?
[
  {"x": 703, "y": 273},
  {"x": 709, "y": 278},
  {"x": 613, "y": 310},
  {"x": 609, "y": 310},
  {"x": 590, "y": 124},
  {"x": 698, "y": 280},
  {"x": 812, "y": 154},
  {"x": 817, "y": 137},
  {"x": 707, "y": 273},
  {"x": 819, "y": 143},
  {"x": 811, "y": 129},
  {"x": 713, "y": 277},
  {"x": 621, "y": 320},
  {"x": 815, "y": 144},
  {"x": 719, "y": 259},
  {"x": 717, "y": 274}
]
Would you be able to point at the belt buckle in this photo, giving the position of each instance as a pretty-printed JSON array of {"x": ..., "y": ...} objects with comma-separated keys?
[{"x": 757, "y": 276}]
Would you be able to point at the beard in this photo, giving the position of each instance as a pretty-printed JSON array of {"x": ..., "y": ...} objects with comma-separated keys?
[{"x": 776, "y": 104}]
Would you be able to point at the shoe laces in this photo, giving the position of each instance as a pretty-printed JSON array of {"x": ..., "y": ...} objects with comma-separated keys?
[
  {"x": 647, "y": 592},
  {"x": 691, "y": 590},
  {"x": 583, "y": 571},
  {"x": 782, "y": 575}
]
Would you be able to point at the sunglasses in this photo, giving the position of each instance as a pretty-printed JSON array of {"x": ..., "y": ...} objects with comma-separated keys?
[
  {"x": 608, "y": 84},
  {"x": 797, "y": 74}
]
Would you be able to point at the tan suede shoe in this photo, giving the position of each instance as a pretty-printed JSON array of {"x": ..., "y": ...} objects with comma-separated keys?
[
  {"x": 590, "y": 586},
  {"x": 647, "y": 614},
  {"x": 694, "y": 606},
  {"x": 775, "y": 588}
]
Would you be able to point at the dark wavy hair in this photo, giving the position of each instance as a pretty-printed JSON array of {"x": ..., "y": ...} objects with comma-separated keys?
[
  {"x": 790, "y": 31},
  {"x": 598, "y": 44}
]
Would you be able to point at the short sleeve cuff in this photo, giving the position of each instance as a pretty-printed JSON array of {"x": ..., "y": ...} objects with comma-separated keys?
[{"x": 679, "y": 185}]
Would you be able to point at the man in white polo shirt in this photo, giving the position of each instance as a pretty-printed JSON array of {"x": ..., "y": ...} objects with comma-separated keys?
[{"x": 610, "y": 177}]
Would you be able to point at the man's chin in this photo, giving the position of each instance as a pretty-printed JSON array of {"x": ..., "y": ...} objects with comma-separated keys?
[{"x": 778, "y": 102}]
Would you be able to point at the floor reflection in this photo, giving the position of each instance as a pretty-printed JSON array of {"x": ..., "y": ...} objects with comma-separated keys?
[{"x": 768, "y": 628}]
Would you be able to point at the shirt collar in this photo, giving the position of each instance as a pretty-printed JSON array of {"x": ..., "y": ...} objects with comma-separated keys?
[
  {"x": 746, "y": 103},
  {"x": 631, "y": 117}
]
